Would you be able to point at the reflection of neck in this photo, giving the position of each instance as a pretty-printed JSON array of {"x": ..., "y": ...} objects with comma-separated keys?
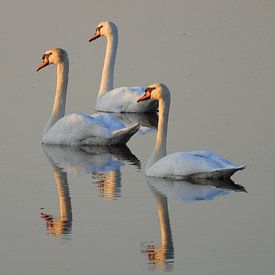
[
  {"x": 107, "y": 81},
  {"x": 166, "y": 233},
  {"x": 160, "y": 145},
  {"x": 64, "y": 195},
  {"x": 110, "y": 187},
  {"x": 59, "y": 105}
]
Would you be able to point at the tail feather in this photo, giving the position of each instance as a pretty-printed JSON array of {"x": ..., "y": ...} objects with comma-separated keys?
[
  {"x": 122, "y": 136},
  {"x": 217, "y": 174},
  {"x": 119, "y": 137},
  {"x": 227, "y": 172}
]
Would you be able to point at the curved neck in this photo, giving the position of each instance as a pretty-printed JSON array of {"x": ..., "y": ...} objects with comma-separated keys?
[
  {"x": 58, "y": 111},
  {"x": 160, "y": 145},
  {"x": 107, "y": 78}
]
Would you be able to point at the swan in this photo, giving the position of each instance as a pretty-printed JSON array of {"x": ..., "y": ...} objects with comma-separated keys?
[
  {"x": 123, "y": 99},
  {"x": 180, "y": 165},
  {"x": 78, "y": 128}
]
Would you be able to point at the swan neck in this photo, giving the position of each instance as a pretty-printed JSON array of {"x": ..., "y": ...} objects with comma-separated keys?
[
  {"x": 107, "y": 78},
  {"x": 161, "y": 136},
  {"x": 58, "y": 111}
]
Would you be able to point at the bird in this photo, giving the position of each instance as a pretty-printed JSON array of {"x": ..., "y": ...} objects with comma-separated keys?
[
  {"x": 180, "y": 165},
  {"x": 123, "y": 99},
  {"x": 78, "y": 128}
]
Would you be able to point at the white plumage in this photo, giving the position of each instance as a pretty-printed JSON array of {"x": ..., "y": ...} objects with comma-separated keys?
[
  {"x": 123, "y": 100},
  {"x": 199, "y": 164}
]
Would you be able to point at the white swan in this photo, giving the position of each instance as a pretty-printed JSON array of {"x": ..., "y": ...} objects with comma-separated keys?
[
  {"x": 122, "y": 99},
  {"x": 78, "y": 128},
  {"x": 180, "y": 165}
]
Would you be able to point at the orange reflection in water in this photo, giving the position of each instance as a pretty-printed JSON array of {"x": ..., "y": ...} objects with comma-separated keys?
[
  {"x": 161, "y": 256},
  {"x": 62, "y": 225},
  {"x": 108, "y": 183}
]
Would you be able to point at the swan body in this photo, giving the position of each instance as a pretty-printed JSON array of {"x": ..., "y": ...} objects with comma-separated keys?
[
  {"x": 199, "y": 164},
  {"x": 122, "y": 99},
  {"x": 78, "y": 128},
  {"x": 181, "y": 165},
  {"x": 82, "y": 129}
]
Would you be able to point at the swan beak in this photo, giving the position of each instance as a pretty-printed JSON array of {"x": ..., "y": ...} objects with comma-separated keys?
[
  {"x": 144, "y": 97},
  {"x": 42, "y": 65},
  {"x": 94, "y": 37},
  {"x": 147, "y": 94}
]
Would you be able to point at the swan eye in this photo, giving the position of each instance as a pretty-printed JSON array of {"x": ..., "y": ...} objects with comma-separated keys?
[
  {"x": 149, "y": 89},
  {"x": 46, "y": 55},
  {"x": 98, "y": 28}
]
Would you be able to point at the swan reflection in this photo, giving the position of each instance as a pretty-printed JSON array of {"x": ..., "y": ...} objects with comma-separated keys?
[
  {"x": 60, "y": 226},
  {"x": 161, "y": 256},
  {"x": 103, "y": 163},
  {"x": 194, "y": 190}
]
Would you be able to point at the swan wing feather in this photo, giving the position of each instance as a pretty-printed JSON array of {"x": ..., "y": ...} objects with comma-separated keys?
[{"x": 73, "y": 128}]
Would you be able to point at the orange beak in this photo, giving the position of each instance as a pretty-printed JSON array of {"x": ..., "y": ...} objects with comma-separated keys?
[
  {"x": 146, "y": 96},
  {"x": 94, "y": 37},
  {"x": 43, "y": 64}
]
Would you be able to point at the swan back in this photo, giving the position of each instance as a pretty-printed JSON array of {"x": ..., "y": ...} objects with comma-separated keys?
[
  {"x": 197, "y": 164},
  {"x": 73, "y": 128}
]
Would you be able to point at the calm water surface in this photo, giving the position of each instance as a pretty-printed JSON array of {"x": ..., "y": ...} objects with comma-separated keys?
[{"x": 92, "y": 210}]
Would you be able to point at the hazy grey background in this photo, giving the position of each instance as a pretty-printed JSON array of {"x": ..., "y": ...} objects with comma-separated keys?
[{"x": 217, "y": 58}]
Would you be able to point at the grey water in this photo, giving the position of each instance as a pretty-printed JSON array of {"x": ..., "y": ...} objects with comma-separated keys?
[{"x": 92, "y": 210}]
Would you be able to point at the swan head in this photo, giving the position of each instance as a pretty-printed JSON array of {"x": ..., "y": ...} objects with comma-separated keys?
[
  {"x": 105, "y": 28},
  {"x": 53, "y": 56},
  {"x": 155, "y": 91}
]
